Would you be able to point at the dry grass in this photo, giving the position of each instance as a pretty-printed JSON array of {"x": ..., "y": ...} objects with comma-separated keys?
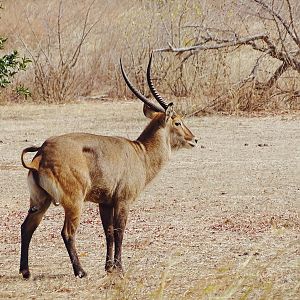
[
  {"x": 50, "y": 34},
  {"x": 221, "y": 221}
]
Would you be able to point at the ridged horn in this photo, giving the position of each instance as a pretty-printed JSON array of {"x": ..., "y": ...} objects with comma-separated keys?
[
  {"x": 153, "y": 90},
  {"x": 137, "y": 93}
]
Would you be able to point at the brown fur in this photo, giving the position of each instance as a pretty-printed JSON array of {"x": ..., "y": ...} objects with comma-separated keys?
[{"x": 111, "y": 171}]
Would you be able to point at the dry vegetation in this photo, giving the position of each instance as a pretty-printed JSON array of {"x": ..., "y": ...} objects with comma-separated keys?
[
  {"x": 225, "y": 228},
  {"x": 220, "y": 222},
  {"x": 76, "y": 45},
  {"x": 224, "y": 225}
]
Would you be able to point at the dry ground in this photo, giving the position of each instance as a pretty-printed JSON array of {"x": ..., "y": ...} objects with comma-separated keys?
[{"x": 222, "y": 220}]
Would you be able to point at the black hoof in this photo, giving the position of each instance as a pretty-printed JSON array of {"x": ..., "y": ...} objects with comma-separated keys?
[
  {"x": 25, "y": 273},
  {"x": 81, "y": 274}
]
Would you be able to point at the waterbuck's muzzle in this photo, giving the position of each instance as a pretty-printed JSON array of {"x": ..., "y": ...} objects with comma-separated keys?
[{"x": 193, "y": 142}]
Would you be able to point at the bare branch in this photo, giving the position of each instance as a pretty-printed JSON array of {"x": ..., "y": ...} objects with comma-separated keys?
[
  {"x": 292, "y": 21},
  {"x": 286, "y": 58},
  {"x": 220, "y": 44},
  {"x": 253, "y": 72},
  {"x": 84, "y": 34},
  {"x": 271, "y": 11},
  {"x": 59, "y": 34},
  {"x": 37, "y": 40},
  {"x": 284, "y": 67}
]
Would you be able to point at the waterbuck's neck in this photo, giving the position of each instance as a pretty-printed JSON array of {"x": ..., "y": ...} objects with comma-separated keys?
[{"x": 155, "y": 141}]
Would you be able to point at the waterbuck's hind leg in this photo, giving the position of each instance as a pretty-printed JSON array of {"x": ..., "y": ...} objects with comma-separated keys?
[
  {"x": 107, "y": 218},
  {"x": 72, "y": 220},
  {"x": 121, "y": 210},
  {"x": 31, "y": 222}
]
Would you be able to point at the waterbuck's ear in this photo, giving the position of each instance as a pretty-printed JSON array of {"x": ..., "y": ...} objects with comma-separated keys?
[
  {"x": 169, "y": 111},
  {"x": 149, "y": 112}
]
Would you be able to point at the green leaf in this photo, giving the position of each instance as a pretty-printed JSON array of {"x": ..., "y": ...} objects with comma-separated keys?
[{"x": 23, "y": 91}]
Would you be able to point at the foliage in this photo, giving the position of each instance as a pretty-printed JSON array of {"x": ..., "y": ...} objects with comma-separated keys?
[
  {"x": 210, "y": 55},
  {"x": 10, "y": 65}
]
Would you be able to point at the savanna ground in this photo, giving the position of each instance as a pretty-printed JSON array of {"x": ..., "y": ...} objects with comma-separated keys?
[{"x": 220, "y": 222}]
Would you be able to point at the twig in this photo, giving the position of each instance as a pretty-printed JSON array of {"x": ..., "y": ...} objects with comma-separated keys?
[
  {"x": 279, "y": 71},
  {"x": 271, "y": 11},
  {"x": 252, "y": 74},
  {"x": 222, "y": 44},
  {"x": 73, "y": 60},
  {"x": 38, "y": 41},
  {"x": 59, "y": 34},
  {"x": 292, "y": 22}
]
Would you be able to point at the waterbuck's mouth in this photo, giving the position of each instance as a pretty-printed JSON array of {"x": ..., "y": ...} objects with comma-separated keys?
[{"x": 192, "y": 144}]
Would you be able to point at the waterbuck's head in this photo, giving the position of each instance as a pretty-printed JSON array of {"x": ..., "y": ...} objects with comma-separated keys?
[{"x": 163, "y": 115}]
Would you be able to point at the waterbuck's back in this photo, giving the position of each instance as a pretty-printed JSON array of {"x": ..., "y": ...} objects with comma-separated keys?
[{"x": 99, "y": 168}]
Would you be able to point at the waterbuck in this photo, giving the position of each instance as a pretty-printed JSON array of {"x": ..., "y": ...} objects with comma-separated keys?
[{"x": 70, "y": 169}]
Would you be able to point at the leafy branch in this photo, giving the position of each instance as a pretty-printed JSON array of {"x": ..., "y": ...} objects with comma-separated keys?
[{"x": 10, "y": 65}]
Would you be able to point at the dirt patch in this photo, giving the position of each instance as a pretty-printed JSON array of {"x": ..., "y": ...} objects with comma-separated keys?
[
  {"x": 255, "y": 224},
  {"x": 221, "y": 219}
]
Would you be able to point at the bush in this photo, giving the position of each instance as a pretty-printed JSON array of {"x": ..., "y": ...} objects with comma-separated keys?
[{"x": 10, "y": 65}]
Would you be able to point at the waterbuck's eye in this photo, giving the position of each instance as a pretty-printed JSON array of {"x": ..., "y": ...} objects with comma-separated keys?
[{"x": 177, "y": 123}]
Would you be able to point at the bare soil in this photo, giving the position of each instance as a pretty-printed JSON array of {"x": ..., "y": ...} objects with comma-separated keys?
[{"x": 221, "y": 220}]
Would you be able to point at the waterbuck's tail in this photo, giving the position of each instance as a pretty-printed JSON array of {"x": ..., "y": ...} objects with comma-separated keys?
[{"x": 34, "y": 165}]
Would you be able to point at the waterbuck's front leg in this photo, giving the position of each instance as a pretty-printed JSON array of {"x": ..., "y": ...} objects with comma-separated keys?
[
  {"x": 120, "y": 219},
  {"x": 107, "y": 218},
  {"x": 32, "y": 221}
]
